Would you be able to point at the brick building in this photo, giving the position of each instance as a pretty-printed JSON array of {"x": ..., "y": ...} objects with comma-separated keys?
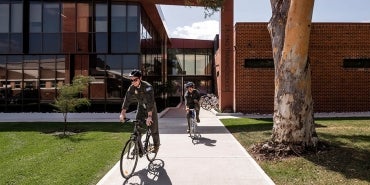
[
  {"x": 45, "y": 44},
  {"x": 339, "y": 54}
]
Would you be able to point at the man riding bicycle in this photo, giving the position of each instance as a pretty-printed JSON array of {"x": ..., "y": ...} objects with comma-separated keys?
[
  {"x": 192, "y": 98},
  {"x": 142, "y": 92}
]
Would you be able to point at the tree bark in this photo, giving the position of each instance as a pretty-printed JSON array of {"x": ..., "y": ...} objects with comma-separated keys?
[{"x": 290, "y": 27}]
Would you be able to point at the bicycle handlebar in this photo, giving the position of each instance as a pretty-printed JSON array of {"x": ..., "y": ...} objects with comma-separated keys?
[
  {"x": 128, "y": 120},
  {"x": 135, "y": 121}
]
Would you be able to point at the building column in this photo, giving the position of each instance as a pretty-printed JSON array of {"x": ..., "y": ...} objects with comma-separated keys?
[{"x": 225, "y": 59}]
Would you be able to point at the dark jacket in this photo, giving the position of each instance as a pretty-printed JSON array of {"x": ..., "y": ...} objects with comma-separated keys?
[
  {"x": 144, "y": 96},
  {"x": 190, "y": 97}
]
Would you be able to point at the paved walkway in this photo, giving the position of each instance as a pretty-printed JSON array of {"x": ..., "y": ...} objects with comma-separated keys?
[{"x": 217, "y": 159}]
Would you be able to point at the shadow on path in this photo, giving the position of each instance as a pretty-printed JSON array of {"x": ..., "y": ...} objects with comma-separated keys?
[{"x": 154, "y": 174}]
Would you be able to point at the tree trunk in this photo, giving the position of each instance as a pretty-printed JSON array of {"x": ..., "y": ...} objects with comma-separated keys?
[{"x": 290, "y": 27}]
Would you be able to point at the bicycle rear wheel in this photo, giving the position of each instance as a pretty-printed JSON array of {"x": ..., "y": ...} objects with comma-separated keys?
[
  {"x": 129, "y": 158},
  {"x": 150, "y": 155}
]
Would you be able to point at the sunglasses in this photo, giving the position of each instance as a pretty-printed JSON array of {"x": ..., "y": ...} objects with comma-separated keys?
[{"x": 134, "y": 80}]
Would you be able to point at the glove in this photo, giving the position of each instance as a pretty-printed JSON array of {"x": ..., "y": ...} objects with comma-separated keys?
[{"x": 196, "y": 101}]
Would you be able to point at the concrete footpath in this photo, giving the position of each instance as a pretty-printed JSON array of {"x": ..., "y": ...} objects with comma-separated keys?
[{"x": 217, "y": 158}]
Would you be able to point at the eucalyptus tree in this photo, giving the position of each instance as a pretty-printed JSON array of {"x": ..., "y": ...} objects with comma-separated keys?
[{"x": 289, "y": 28}]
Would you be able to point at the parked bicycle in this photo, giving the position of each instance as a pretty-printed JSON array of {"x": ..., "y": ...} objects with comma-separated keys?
[
  {"x": 135, "y": 147},
  {"x": 209, "y": 101},
  {"x": 194, "y": 133}
]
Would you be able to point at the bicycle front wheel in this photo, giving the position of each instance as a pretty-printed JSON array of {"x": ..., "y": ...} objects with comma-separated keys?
[
  {"x": 193, "y": 128},
  {"x": 150, "y": 155},
  {"x": 129, "y": 158}
]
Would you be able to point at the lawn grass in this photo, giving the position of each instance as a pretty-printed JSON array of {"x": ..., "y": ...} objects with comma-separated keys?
[
  {"x": 346, "y": 162},
  {"x": 31, "y": 154}
]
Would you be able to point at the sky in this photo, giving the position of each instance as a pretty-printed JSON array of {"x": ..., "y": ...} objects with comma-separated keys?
[{"x": 190, "y": 22}]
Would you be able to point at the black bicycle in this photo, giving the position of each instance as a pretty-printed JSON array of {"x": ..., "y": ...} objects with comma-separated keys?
[{"x": 135, "y": 147}]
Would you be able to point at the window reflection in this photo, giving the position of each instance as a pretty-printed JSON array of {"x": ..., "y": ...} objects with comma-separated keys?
[
  {"x": 4, "y": 43},
  {"x": 16, "y": 43},
  {"x": 60, "y": 68},
  {"x": 101, "y": 42},
  {"x": 132, "y": 18},
  {"x": 47, "y": 78},
  {"x": 16, "y": 18},
  {"x": 101, "y": 16},
  {"x": 118, "y": 19},
  {"x": 97, "y": 70},
  {"x": 4, "y": 18},
  {"x": 51, "y": 43},
  {"x": 35, "y": 40},
  {"x": 35, "y": 17},
  {"x": 133, "y": 39},
  {"x": 114, "y": 73},
  {"x": 189, "y": 60},
  {"x": 80, "y": 30},
  {"x": 83, "y": 17},
  {"x": 51, "y": 18},
  {"x": 118, "y": 42}
]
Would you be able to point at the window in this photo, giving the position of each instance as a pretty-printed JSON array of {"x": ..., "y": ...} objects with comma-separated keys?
[
  {"x": 42, "y": 84},
  {"x": 259, "y": 63},
  {"x": 4, "y": 18},
  {"x": 101, "y": 29},
  {"x": 11, "y": 18},
  {"x": 101, "y": 15},
  {"x": 16, "y": 18},
  {"x": 118, "y": 19},
  {"x": 17, "y": 85},
  {"x": 132, "y": 19},
  {"x": 35, "y": 18},
  {"x": 51, "y": 18},
  {"x": 356, "y": 63}
]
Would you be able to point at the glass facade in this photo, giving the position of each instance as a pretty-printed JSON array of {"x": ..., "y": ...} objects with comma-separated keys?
[
  {"x": 190, "y": 64},
  {"x": 59, "y": 40}
]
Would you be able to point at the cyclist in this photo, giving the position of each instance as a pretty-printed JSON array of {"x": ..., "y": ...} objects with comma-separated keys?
[
  {"x": 192, "y": 98},
  {"x": 142, "y": 92}
]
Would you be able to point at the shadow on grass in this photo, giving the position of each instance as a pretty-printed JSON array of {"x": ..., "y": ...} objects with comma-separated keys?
[
  {"x": 251, "y": 125},
  {"x": 353, "y": 163},
  {"x": 343, "y": 158},
  {"x": 343, "y": 119},
  {"x": 77, "y": 127}
]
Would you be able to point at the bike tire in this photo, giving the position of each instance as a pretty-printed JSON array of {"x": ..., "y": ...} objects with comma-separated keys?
[
  {"x": 195, "y": 135},
  {"x": 205, "y": 104},
  {"x": 129, "y": 158},
  {"x": 149, "y": 147},
  {"x": 192, "y": 128}
]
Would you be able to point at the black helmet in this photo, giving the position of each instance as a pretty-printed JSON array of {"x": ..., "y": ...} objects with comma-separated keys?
[
  {"x": 135, "y": 73},
  {"x": 189, "y": 84}
]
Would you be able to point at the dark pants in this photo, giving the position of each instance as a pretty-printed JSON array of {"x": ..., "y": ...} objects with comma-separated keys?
[
  {"x": 142, "y": 113},
  {"x": 188, "y": 115}
]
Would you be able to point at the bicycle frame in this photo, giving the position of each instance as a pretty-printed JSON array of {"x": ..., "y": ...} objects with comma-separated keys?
[
  {"x": 194, "y": 133},
  {"x": 137, "y": 137},
  {"x": 135, "y": 147}
]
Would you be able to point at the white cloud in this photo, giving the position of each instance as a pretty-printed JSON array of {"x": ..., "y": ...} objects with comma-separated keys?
[{"x": 205, "y": 30}]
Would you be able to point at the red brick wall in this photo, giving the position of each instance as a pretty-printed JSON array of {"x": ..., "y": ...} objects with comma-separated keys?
[{"x": 334, "y": 88}]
